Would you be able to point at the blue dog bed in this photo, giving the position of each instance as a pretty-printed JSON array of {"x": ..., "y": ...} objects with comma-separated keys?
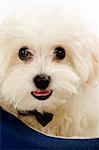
[{"x": 15, "y": 135}]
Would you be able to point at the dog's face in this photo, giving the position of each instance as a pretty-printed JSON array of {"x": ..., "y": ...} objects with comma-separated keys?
[{"x": 44, "y": 59}]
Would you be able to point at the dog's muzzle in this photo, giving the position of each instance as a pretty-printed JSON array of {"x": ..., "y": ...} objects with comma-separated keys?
[{"x": 41, "y": 82}]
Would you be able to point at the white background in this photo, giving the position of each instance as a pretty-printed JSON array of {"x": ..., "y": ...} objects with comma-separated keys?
[{"x": 88, "y": 8}]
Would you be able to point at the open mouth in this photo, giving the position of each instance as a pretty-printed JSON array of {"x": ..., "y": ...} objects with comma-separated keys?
[{"x": 42, "y": 94}]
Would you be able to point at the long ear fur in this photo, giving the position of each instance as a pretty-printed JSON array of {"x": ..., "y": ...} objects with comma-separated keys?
[{"x": 94, "y": 74}]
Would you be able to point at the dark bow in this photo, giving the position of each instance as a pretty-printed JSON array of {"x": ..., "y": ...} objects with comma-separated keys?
[{"x": 43, "y": 118}]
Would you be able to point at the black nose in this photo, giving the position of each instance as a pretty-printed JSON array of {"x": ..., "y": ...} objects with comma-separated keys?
[{"x": 42, "y": 81}]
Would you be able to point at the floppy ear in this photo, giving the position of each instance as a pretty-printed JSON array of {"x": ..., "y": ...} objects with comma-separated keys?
[
  {"x": 94, "y": 73},
  {"x": 1, "y": 53}
]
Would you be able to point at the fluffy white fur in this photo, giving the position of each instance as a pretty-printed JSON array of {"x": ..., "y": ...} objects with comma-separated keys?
[{"x": 74, "y": 80}]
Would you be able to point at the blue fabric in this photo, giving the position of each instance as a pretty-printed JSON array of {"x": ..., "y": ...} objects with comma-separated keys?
[{"x": 15, "y": 135}]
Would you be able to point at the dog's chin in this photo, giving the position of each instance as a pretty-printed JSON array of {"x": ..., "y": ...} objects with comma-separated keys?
[{"x": 43, "y": 117}]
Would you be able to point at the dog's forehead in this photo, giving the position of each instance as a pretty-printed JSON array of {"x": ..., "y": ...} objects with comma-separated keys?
[
  {"x": 49, "y": 22},
  {"x": 43, "y": 30}
]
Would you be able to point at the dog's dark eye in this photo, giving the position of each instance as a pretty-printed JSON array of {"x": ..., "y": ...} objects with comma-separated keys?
[
  {"x": 24, "y": 54},
  {"x": 59, "y": 53}
]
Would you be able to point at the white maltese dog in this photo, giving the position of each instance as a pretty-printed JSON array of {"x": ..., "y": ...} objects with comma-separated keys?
[{"x": 49, "y": 73}]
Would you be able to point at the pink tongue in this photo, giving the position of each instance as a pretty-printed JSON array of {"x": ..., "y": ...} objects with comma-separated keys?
[{"x": 41, "y": 92}]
